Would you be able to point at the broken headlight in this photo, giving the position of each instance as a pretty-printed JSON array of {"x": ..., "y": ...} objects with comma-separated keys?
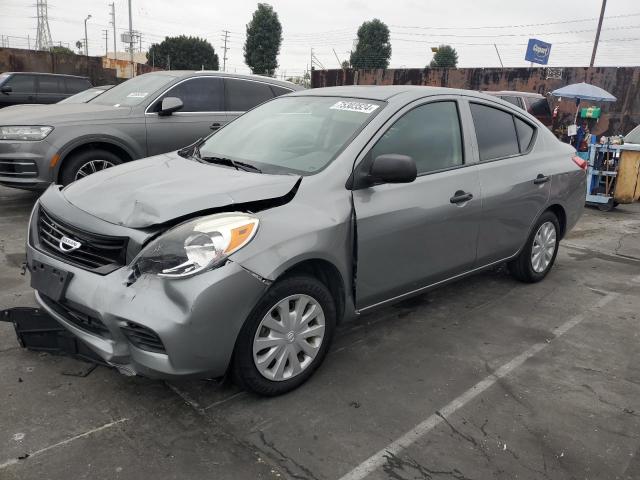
[{"x": 195, "y": 246}]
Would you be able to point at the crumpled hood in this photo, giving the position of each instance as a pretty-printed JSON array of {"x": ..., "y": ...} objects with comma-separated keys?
[
  {"x": 57, "y": 114},
  {"x": 159, "y": 189}
]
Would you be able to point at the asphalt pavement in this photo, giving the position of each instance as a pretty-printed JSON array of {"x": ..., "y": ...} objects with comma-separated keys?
[{"x": 485, "y": 378}]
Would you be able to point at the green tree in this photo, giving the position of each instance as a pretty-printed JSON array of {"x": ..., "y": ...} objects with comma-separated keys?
[
  {"x": 183, "y": 53},
  {"x": 62, "y": 50},
  {"x": 345, "y": 65},
  {"x": 264, "y": 36},
  {"x": 79, "y": 46},
  {"x": 445, "y": 57},
  {"x": 373, "y": 49}
]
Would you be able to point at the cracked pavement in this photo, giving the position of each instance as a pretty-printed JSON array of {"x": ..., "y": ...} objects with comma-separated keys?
[{"x": 570, "y": 411}]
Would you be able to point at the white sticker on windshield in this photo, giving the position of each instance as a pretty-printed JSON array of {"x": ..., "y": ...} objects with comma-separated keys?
[
  {"x": 355, "y": 107},
  {"x": 137, "y": 95}
]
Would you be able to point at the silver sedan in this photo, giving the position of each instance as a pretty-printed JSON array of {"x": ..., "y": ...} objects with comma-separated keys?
[{"x": 240, "y": 253}]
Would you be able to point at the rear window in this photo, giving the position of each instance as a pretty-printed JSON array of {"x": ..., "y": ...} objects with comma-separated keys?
[
  {"x": 242, "y": 95},
  {"x": 538, "y": 107},
  {"x": 495, "y": 132},
  {"x": 513, "y": 100}
]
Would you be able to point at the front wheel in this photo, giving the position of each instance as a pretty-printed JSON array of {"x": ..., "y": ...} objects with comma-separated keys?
[
  {"x": 286, "y": 337},
  {"x": 87, "y": 162},
  {"x": 539, "y": 254}
]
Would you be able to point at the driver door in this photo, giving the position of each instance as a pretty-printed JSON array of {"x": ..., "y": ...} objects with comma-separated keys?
[
  {"x": 417, "y": 234},
  {"x": 202, "y": 113}
]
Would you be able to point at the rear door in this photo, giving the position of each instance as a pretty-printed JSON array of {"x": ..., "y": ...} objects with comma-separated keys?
[
  {"x": 415, "y": 234},
  {"x": 203, "y": 112},
  {"x": 23, "y": 90},
  {"x": 242, "y": 95},
  {"x": 51, "y": 89},
  {"x": 515, "y": 180}
]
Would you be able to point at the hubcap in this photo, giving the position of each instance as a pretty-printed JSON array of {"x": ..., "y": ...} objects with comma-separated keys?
[
  {"x": 288, "y": 337},
  {"x": 544, "y": 246},
  {"x": 93, "y": 166}
]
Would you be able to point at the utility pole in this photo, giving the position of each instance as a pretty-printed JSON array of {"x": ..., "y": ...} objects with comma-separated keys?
[
  {"x": 106, "y": 43},
  {"x": 43, "y": 37},
  {"x": 86, "y": 43},
  {"x": 131, "y": 41},
  {"x": 224, "y": 58},
  {"x": 113, "y": 22},
  {"x": 595, "y": 43},
  {"x": 501, "y": 65},
  {"x": 140, "y": 39}
]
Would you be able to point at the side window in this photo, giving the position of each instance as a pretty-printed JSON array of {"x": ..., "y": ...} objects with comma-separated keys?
[
  {"x": 495, "y": 132},
  {"x": 277, "y": 91},
  {"x": 430, "y": 134},
  {"x": 202, "y": 94},
  {"x": 242, "y": 95},
  {"x": 22, "y": 83},
  {"x": 525, "y": 134},
  {"x": 75, "y": 85},
  {"x": 50, "y": 84}
]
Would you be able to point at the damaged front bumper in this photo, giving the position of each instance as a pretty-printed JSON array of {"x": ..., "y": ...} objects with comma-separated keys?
[{"x": 159, "y": 328}]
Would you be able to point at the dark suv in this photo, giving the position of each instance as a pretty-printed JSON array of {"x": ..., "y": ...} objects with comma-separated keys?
[
  {"x": 534, "y": 103},
  {"x": 19, "y": 88}
]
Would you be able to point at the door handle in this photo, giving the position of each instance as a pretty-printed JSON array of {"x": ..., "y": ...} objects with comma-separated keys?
[
  {"x": 460, "y": 197},
  {"x": 215, "y": 126},
  {"x": 541, "y": 179}
]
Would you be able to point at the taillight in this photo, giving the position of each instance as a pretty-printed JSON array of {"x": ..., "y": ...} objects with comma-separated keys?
[{"x": 581, "y": 162}]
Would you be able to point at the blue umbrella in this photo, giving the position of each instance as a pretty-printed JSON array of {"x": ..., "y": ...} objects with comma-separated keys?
[{"x": 584, "y": 91}]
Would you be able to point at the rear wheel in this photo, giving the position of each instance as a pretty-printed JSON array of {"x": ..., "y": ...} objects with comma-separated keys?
[
  {"x": 286, "y": 337},
  {"x": 87, "y": 162},
  {"x": 539, "y": 254}
]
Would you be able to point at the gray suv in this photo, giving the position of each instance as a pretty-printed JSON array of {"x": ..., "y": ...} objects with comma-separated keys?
[{"x": 147, "y": 115}]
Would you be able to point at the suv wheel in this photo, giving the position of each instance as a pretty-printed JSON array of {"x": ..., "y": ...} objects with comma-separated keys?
[
  {"x": 537, "y": 257},
  {"x": 85, "y": 163},
  {"x": 286, "y": 337}
]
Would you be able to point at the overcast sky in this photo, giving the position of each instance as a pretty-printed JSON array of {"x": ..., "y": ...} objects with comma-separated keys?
[{"x": 416, "y": 25}]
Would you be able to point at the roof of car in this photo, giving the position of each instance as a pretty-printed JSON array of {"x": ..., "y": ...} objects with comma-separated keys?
[
  {"x": 386, "y": 92},
  {"x": 45, "y": 73},
  {"x": 260, "y": 78},
  {"x": 514, "y": 92}
]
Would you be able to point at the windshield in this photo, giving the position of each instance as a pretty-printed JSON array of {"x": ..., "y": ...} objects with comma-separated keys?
[
  {"x": 3, "y": 77},
  {"x": 134, "y": 91},
  {"x": 84, "y": 96},
  {"x": 292, "y": 134}
]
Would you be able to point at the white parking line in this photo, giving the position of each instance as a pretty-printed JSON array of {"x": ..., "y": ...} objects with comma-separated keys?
[
  {"x": 13, "y": 461},
  {"x": 378, "y": 459}
]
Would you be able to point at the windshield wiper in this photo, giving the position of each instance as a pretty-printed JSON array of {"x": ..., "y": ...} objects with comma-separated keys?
[{"x": 232, "y": 163}]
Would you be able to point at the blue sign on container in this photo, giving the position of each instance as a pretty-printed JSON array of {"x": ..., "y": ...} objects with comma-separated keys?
[{"x": 538, "y": 51}]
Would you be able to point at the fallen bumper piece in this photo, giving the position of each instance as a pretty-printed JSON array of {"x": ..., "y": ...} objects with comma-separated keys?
[{"x": 38, "y": 331}]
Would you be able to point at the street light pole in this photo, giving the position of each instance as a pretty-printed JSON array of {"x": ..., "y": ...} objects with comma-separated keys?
[
  {"x": 595, "y": 43},
  {"x": 86, "y": 46}
]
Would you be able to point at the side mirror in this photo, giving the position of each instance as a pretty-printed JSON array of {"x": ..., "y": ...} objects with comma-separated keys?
[
  {"x": 6, "y": 89},
  {"x": 393, "y": 168},
  {"x": 170, "y": 105}
]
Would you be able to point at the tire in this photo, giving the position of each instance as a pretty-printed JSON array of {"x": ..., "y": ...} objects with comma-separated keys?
[
  {"x": 523, "y": 267},
  {"x": 81, "y": 162},
  {"x": 286, "y": 351}
]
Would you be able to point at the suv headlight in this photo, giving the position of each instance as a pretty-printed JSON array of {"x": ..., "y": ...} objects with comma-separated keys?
[
  {"x": 33, "y": 133},
  {"x": 196, "y": 246}
]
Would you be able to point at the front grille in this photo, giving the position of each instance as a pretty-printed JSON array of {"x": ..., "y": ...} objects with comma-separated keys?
[
  {"x": 97, "y": 253},
  {"x": 142, "y": 337},
  {"x": 18, "y": 168},
  {"x": 83, "y": 321}
]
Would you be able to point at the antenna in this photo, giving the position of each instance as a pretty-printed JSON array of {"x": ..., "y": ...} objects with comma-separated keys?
[{"x": 43, "y": 38}]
